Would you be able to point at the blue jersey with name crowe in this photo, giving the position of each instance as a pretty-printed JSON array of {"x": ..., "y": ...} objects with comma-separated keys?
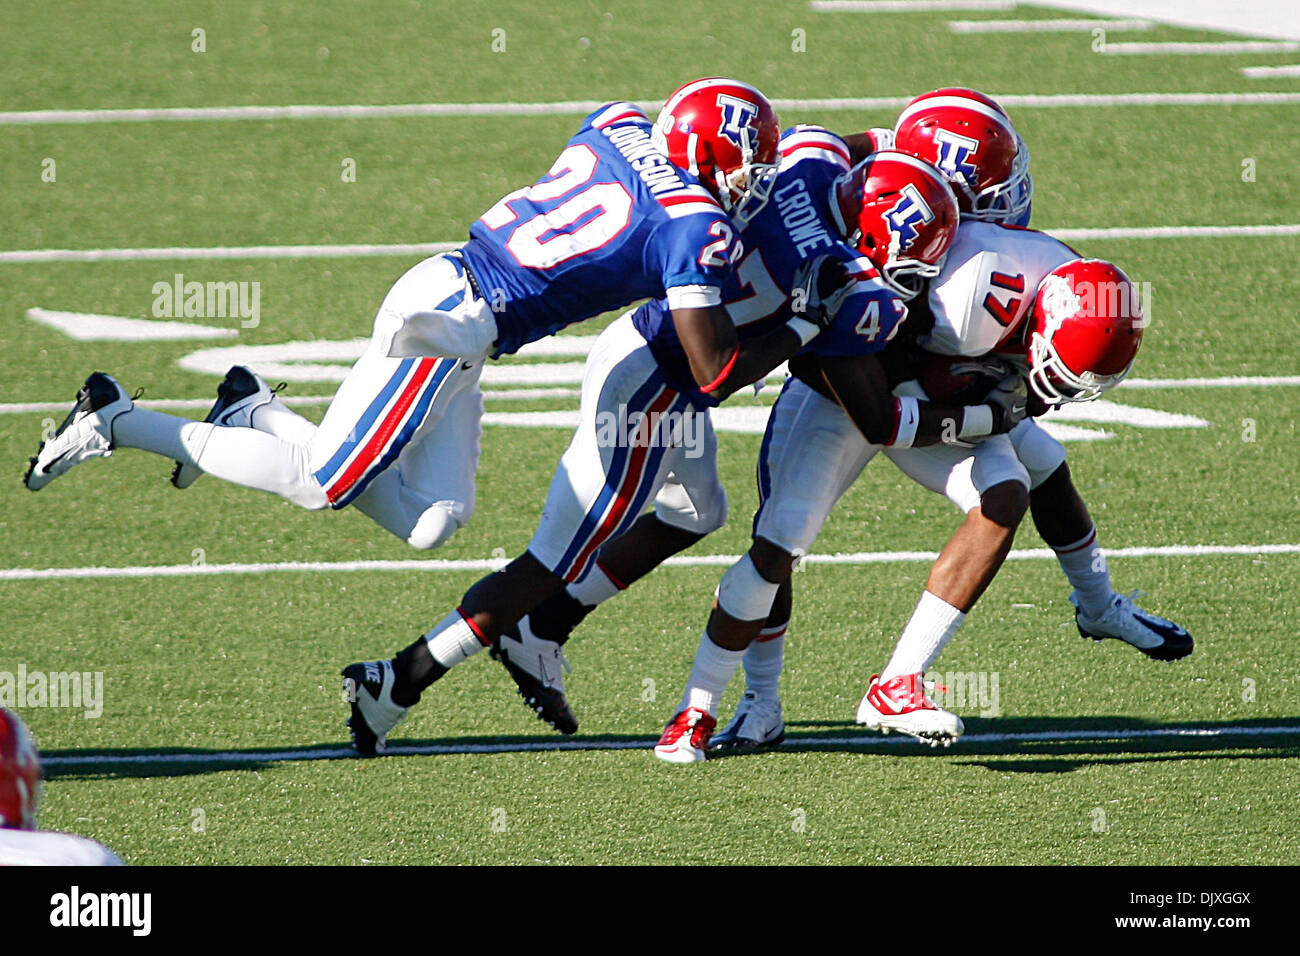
[
  {"x": 613, "y": 221},
  {"x": 796, "y": 225}
]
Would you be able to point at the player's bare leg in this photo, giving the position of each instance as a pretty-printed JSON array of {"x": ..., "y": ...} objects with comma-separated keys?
[
  {"x": 1063, "y": 521},
  {"x": 896, "y": 698}
]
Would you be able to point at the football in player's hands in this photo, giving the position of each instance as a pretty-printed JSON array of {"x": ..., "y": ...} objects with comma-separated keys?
[{"x": 959, "y": 380}]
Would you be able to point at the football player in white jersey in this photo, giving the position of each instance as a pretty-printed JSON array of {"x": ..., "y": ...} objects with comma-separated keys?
[
  {"x": 21, "y": 844},
  {"x": 980, "y": 304}
]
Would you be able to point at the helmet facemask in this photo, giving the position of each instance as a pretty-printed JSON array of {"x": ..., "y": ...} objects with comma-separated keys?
[
  {"x": 745, "y": 190},
  {"x": 1005, "y": 201},
  {"x": 1054, "y": 382},
  {"x": 907, "y": 277}
]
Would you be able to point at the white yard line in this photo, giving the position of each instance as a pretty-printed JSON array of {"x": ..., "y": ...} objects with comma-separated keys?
[
  {"x": 578, "y": 108},
  {"x": 531, "y": 394},
  {"x": 865, "y": 739},
  {"x": 907, "y": 6},
  {"x": 690, "y": 561},
  {"x": 1176, "y": 232},
  {"x": 1200, "y": 49},
  {"x": 1047, "y": 26},
  {"x": 350, "y": 250},
  {"x": 1268, "y": 72}
]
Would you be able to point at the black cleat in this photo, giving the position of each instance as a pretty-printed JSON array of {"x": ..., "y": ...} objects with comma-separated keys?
[
  {"x": 240, "y": 393},
  {"x": 537, "y": 667},
  {"x": 368, "y": 691}
]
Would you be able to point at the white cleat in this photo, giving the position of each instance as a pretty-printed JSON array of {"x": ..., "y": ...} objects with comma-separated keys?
[
  {"x": 901, "y": 704},
  {"x": 1155, "y": 637},
  {"x": 86, "y": 433},
  {"x": 686, "y": 738},
  {"x": 758, "y": 723}
]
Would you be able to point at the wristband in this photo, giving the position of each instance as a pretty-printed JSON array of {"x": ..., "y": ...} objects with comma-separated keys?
[
  {"x": 976, "y": 422},
  {"x": 722, "y": 376},
  {"x": 807, "y": 331},
  {"x": 907, "y": 416}
]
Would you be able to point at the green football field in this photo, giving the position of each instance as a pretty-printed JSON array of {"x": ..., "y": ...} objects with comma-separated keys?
[{"x": 221, "y": 737}]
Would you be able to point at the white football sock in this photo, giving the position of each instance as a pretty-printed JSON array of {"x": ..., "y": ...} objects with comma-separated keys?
[
  {"x": 763, "y": 661},
  {"x": 243, "y": 456},
  {"x": 453, "y": 640},
  {"x": 595, "y": 588},
  {"x": 931, "y": 627},
  {"x": 712, "y": 671},
  {"x": 1085, "y": 566}
]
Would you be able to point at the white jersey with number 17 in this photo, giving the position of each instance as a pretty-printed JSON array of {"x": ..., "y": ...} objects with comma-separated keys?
[{"x": 987, "y": 286}]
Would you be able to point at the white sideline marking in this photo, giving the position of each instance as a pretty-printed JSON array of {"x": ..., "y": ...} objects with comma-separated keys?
[
  {"x": 1266, "y": 72},
  {"x": 906, "y": 6},
  {"x": 581, "y": 107},
  {"x": 433, "y": 248},
  {"x": 1200, "y": 49},
  {"x": 89, "y": 327},
  {"x": 688, "y": 561},
  {"x": 1046, "y": 26},
  {"x": 864, "y": 739}
]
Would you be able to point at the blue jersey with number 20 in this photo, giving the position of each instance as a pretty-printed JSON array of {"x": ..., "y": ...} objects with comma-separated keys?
[{"x": 613, "y": 221}]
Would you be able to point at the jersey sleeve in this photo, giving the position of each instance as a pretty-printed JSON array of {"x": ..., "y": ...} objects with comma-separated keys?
[
  {"x": 868, "y": 317},
  {"x": 693, "y": 254}
]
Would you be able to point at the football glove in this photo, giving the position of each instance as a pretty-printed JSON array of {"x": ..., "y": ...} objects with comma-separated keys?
[
  {"x": 820, "y": 287},
  {"x": 1009, "y": 401}
]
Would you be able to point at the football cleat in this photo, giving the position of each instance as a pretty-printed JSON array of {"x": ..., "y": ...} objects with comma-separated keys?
[
  {"x": 240, "y": 394},
  {"x": 686, "y": 738},
  {"x": 537, "y": 667},
  {"x": 758, "y": 723},
  {"x": 1155, "y": 637},
  {"x": 87, "y": 431},
  {"x": 902, "y": 704},
  {"x": 368, "y": 689}
]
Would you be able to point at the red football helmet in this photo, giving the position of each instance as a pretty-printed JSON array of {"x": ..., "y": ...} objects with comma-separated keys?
[
  {"x": 969, "y": 138},
  {"x": 1085, "y": 329},
  {"x": 723, "y": 132},
  {"x": 20, "y": 774},
  {"x": 901, "y": 213}
]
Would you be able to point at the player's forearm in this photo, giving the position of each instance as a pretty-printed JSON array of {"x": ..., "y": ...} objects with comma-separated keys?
[
  {"x": 754, "y": 360},
  {"x": 860, "y": 388}
]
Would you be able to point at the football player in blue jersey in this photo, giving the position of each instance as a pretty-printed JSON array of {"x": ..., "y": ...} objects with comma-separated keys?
[
  {"x": 655, "y": 225},
  {"x": 615, "y": 220}
]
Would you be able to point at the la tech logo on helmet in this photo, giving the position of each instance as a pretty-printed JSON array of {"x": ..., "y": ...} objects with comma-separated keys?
[
  {"x": 906, "y": 216},
  {"x": 955, "y": 152},
  {"x": 737, "y": 120}
]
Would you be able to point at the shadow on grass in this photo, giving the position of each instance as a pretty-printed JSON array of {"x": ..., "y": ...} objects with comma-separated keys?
[{"x": 1051, "y": 746}]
